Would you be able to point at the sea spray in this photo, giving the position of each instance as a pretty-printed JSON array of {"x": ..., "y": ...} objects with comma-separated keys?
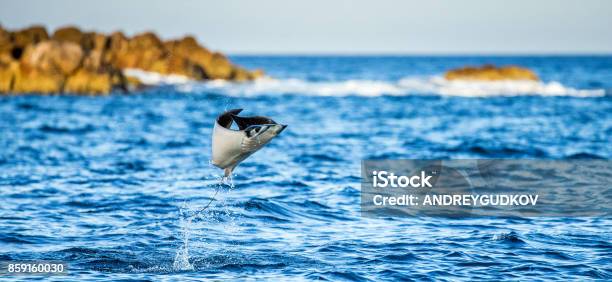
[
  {"x": 189, "y": 216},
  {"x": 181, "y": 259}
]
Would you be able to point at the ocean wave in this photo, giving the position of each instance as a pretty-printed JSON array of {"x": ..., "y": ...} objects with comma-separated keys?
[
  {"x": 434, "y": 85},
  {"x": 509, "y": 237},
  {"x": 154, "y": 78}
]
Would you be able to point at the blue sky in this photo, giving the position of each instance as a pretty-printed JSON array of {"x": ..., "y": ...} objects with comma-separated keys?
[{"x": 343, "y": 27}]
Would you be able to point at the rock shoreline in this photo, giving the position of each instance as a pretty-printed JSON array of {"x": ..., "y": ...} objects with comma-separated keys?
[
  {"x": 491, "y": 73},
  {"x": 73, "y": 61}
]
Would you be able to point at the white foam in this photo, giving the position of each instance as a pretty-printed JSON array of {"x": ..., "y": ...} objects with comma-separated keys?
[
  {"x": 154, "y": 78},
  {"x": 439, "y": 85},
  {"x": 407, "y": 86}
]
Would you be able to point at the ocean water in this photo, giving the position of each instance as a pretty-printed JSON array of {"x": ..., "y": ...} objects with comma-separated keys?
[{"x": 117, "y": 186}]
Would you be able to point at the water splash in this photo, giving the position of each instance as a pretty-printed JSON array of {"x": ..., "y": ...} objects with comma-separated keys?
[
  {"x": 188, "y": 215},
  {"x": 181, "y": 259}
]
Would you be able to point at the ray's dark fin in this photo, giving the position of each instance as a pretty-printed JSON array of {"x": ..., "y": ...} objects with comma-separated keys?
[
  {"x": 244, "y": 122},
  {"x": 225, "y": 119}
]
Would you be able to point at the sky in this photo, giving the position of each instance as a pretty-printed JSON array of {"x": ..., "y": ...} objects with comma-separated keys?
[{"x": 342, "y": 27}]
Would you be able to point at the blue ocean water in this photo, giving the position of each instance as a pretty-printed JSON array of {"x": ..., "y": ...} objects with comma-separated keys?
[{"x": 115, "y": 185}]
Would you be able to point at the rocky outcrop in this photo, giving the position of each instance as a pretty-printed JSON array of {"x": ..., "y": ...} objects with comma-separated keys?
[
  {"x": 53, "y": 57},
  {"x": 29, "y": 36},
  {"x": 491, "y": 73},
  {"x": 71, "y": 60}
]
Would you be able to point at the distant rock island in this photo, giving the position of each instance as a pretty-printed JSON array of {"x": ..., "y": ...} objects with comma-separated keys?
[
  {"x": 75, "y": 61},
  {"x": 491, "y": 73}
]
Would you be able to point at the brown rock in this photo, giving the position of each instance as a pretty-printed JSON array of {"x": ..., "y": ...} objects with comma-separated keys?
[
  {"x": 139, "y": 52},
  {"x": 5, "y": 37},
  {"x": 12, "y": 44},
  {"x": 53, "y": 57},
  {"x": 95, "y": 41},
  {"x": 213, "y": 65},
  {"x": 219, "y": 67},
  {"x": 200, "y": 57},
  {"x": 116, "y": 45},
  {"x": 5, "y": 58},
  {"x": 31, "y": 80},
  {"x": 85, "y": 81},
  {"x": 188, "y": 58},
  {"x": 146, "y": 40},
  {"x": 6, "y": 47},
  {"x": 189, "y": 47},
  {"x": 491, "y": 73},
  {"x": 94, "y": 60},
  {"x": 183, "y": 66},
  {"x": 183, "y": 57},
  {"x": 68, "y": 34},
  {"x": 7, "y": 76},
  {"x": 258, "y": 73},
  {"x": 30, "y": 35},
  {"x": 240, "y": 74},
  {"x": 117, "y": 42},
  {"x": 183, "y": 46},
  {"x": 90, "y": 62},
  {"x": 87, "y": 40}
]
